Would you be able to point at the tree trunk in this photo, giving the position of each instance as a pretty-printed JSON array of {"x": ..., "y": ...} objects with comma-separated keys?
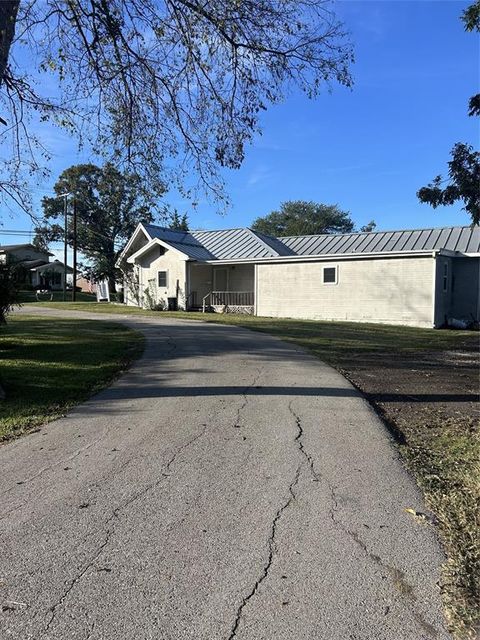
[
  {"x": 8, "y": 17},
  {"x": 111, "y": 284}
]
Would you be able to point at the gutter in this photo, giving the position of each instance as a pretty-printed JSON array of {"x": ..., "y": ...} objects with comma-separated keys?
[{"x": 325, "y": 258}]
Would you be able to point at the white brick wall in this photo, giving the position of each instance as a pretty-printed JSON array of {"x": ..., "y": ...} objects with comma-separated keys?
[{"x": 386, "y": 290}]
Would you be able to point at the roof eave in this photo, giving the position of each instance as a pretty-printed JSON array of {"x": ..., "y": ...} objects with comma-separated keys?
[
  {"x": 140, "y": 227},
  {"x": 326, "y": 257},
  {"x": 155, "y": 242}
]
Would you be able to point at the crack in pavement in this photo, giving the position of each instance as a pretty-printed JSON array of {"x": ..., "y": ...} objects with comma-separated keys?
[
  {"x": 271, "y": 553},
  {"x": 56, "y": 464},
  {"x": 110, "y": 530},
  {"x": 245, "y": 396},
  {"x": 299, "y": 440},
  {"x": 271, "y": 544},
  {"x": 397, "y": 576}
]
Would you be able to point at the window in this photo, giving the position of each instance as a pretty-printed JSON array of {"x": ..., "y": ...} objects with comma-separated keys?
[
  {"x": 163, "y": 279},
  {"x": 445, "y": 277},
  {"x": 329, "y": 275}
]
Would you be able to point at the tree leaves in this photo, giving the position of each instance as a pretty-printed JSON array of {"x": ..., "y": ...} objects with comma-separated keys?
[
  {"x": 298, "y": 217},
  {"x": 173, "y": 89},
  {"x": 110, "y": 204},
  {"x": 464, "y": 174}
]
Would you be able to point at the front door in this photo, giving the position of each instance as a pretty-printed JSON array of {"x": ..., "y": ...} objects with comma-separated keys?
[{"x": 220, "y": 279}]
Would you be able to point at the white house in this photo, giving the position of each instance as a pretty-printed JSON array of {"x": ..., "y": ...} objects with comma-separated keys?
[
  {"x": 34, "y": 267},
  {"x": 418, "y": 278}
]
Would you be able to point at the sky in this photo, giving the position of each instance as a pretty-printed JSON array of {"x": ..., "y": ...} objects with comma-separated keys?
[{"x": 368, "y": 149}]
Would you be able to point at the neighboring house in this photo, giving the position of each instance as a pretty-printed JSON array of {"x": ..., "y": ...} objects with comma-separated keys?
[
  {"x": 86, "y": 285},
  {"x": 418, "y": 278},
  {"x": 34, "y": 268}
]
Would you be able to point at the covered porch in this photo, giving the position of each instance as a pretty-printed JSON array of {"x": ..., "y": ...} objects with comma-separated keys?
[
  {"x": 221, "y": 288},
  {"x": 49, "y": 275}
]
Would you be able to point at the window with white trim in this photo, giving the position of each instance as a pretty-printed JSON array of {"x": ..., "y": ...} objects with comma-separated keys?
[
  {"x": 330, "y": 275},
  {"x": 163, "y": 279}
]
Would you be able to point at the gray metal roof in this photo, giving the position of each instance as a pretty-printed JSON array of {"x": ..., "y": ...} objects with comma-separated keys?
[
  {"x": 239, "y": 244},
  {"x": 461, "y": 239},
  {"x": 223, "y": 244},
  {"x": 235, "y": 244},
  {"x": 12, "y": 247}
]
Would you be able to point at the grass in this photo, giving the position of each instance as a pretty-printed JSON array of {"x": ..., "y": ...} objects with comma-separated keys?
[
  {"x": 335, "y": 342},
  {"x": 48, "y": 366},
  {"x": 426, "y": 399},
  {"x": 31, "y": 296}
]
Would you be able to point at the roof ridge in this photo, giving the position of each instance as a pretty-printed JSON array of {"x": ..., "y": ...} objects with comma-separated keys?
[
  {"x": 220, "y": 230},
  {"x": 358, "y": 233},
  {"x": 265, "y": 244}
]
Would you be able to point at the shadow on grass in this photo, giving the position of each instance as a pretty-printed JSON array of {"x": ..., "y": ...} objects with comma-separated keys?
[{"x": 48, "y": 365}]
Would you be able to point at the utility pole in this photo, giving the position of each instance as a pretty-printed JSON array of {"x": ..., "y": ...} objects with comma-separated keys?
[
  {"x": 74, "y": 290},
  {"x": 65, "y": 257}
]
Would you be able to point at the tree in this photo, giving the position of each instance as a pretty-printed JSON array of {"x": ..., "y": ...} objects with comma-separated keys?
[
  {"x": 464, "y": 167},
  {"x": 369, "y": 227},
  {"x": 464, "y": 175},
  {"x": 178, "y": 222},
  {"x": 297, "y": 218},
  {"x": 161, "y": 87},
  {"x": 109, "y": 204},
  {"x": 8, "y": 290}
]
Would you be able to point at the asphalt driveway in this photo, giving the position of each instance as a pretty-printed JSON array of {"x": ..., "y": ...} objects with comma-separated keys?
[{"x": 228, "y": 486}]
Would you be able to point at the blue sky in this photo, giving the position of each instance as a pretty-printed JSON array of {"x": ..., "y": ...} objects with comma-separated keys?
[{"x": 367, "y": 150}]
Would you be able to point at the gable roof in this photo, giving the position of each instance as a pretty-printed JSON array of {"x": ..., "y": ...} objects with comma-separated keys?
[
  {"x": 246, "y": 244},
  {"x": 11, "y": 247},
  {"x": 222, "y": 244}
]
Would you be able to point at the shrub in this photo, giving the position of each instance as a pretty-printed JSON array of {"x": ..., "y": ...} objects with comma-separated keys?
[{"x": 8, "y": 290}]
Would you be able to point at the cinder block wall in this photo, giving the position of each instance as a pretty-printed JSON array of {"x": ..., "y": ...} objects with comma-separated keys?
[{"x": 384, "y": 290}]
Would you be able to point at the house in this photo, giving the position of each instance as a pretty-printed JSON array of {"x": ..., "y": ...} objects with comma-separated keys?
[
  {"x": 33, "y": 266},
  {"x": 86, "y": 285},
  {"x": 417, "y": 278}
]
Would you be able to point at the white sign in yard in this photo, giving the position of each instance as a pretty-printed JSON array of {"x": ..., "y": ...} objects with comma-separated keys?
[{"x": 103, "y": 291}]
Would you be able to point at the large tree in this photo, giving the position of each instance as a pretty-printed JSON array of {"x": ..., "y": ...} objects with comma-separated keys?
[
  {"x": 462, "y": 184},
  {"x": 109, "y": 206},
  {"x": 164, "y": 86},
  {"x": 297, "y": 218}
]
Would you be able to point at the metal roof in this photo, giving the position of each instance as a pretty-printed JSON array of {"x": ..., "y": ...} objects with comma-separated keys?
[
  {"x": 461, "y": 239},
  {"x": 235, "y": 244},
  {"x": 238, "y": 244},
  {"x": 12, "y": 247},
  {"x": 184, "y": 241},
  {"x": 223, "y": 244}
]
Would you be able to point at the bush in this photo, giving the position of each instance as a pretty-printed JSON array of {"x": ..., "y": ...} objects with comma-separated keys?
[{"x": 8, "y": 290}]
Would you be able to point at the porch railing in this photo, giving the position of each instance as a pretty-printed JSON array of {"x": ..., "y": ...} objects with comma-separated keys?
[{"x": 228, "y": 299}]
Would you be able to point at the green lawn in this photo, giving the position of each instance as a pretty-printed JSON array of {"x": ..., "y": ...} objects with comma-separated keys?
[
  {"x": 336, "y": 342},
  {"x": 50, "y": 364},
  {"x": 31, "y": 296}
]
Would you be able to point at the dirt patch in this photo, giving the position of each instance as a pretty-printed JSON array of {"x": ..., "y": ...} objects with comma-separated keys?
[{"x": 430, "y": 401}]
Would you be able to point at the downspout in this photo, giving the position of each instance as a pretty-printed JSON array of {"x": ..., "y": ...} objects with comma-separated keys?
[
  {"x": 434, "y": 288},
  {"x": 255, "y": 289},
  {"x": 187, "y": 284}
]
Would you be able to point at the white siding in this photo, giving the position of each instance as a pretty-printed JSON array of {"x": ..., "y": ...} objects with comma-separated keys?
[
  {"x": 200, "y": 281},
  {"x": 240, "y": 277},
  {"x": 390, "y": 290},
  {"x": 171, "y": 262}
]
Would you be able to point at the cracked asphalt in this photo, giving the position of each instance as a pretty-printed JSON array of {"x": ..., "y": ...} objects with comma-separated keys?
[{"x": 228, "y": 486}]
